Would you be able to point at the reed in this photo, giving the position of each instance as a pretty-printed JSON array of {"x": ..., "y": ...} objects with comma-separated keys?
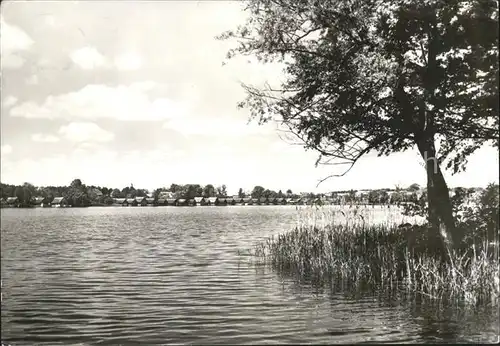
[{"x": 350, "y": 247}]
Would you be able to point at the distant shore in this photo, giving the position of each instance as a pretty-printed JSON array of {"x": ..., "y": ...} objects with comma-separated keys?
[{"x": 191, "y": 206}]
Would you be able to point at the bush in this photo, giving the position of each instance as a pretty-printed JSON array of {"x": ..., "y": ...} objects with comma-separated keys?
[
  {"x": 475, "y": 212},
  {"x": 483, "y": 215}
]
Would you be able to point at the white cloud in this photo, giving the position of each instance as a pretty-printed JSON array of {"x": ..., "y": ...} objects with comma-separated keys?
[
  {"x": 88, "y": 58},
  {"x": 40, "y": 137},
  {"x": 216, "y": 126},
  {"x": 13, "y": 38},
  {"x": 6, "y": 149},
  {"x": 85, "y": 132},
  {"x": 9, "y": 101},
  {"x": 33, "y": 80},
  {"x": 128, "y": 61},
  {"x": 12, "y": 41},
  {"x": 51, "y": 21},
  {"x": 12, "y": 61},
  {"x": 96, "y": 101}
]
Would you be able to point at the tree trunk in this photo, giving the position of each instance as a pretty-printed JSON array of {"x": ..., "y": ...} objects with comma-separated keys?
[{"x": 438, "y": 197}]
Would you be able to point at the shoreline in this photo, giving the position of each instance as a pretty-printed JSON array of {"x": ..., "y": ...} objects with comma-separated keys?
[{"x": 388, "y": 206}]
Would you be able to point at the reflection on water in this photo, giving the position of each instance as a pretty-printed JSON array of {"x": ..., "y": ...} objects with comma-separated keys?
[{"x": 123, "y": 276}]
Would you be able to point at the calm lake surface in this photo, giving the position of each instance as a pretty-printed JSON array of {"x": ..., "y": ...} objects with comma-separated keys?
[{"x": 153, "y": 276}]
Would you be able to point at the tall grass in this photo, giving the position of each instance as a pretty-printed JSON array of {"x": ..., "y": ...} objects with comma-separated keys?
[{"x": 361, "y": 251}]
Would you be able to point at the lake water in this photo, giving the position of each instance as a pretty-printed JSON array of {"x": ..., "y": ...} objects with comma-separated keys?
[{"x": 153, "y": 276}]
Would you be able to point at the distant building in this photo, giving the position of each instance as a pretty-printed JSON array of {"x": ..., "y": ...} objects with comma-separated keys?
[
  {"x": 120, "y": 202},
  {"x": 13, "y": 202},
  {"x": 142, "y": 201},
  {"x": 171, "y": 201},
  {"x": 97, "y": 192},
  {"x": 131, "y": 202},
  {"x": 38, "y": 201},
  {"x": 199, "y": 201},
  {"x": 181, "y": 202},
  {"x": 59, "y": 202},
  {"x": 211, "y": 200}
]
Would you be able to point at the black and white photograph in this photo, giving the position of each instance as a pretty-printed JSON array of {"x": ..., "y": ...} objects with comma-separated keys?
[{"x": 249, "y": 172}]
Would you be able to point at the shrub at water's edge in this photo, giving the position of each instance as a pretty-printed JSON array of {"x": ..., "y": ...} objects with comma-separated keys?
[{"x": 386, "y": 256}]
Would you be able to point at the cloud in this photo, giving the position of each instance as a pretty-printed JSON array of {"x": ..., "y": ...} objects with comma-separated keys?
[
  {"x": 39, "y": 137},
  {"x": 13, "y": 40},
  {"x": 216, "y": 126},
  {"x": 51, "y": 21},
  {"x": 85, "y": 132},
  {"x": 33, "y": 80},
  {"x": 128, "y": 61},
  {"x": 97, "y": 101},
  {"x": 88, "y": 58},
  {"x": 9, "y": 101},
  {"x": 6, "y": 149}
]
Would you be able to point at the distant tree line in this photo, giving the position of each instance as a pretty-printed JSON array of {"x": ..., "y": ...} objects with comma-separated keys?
[{"x": 78, "y": 194}]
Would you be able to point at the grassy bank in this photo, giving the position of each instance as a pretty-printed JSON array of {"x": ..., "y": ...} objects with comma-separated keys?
[{"x": 357, "y": 251}]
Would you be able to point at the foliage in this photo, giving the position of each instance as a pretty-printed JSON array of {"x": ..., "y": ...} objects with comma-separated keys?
[
  {"x": 209, "y": 191},
  {"x": 175, "y": 188},
  {"x": 76, "y": 195},
  {"x": 476, "y": 212},
  {"x": 257, "y": 192},
  {"x": 24, "y": 193},
  {"x": 382, "y": 76},
  {"x": 414, "y": 187},
  {"x": 480, "y": 219},
  {"x": 221, "y": 191},
  {"x": 378, "y": 197},
  {"x": 377, "y": 75},
  {"x": 418, "y": 207},
  {"x": 190, "y": 191},
  {"x": 107, "y": 200},
  {"x": 128, "y": 192}
]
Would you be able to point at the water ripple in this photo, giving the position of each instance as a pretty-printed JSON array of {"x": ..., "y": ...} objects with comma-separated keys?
[{"x": 155, "y": 276}]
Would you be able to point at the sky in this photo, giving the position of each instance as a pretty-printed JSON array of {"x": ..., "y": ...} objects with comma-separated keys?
[{"x": 119, "y": 93}]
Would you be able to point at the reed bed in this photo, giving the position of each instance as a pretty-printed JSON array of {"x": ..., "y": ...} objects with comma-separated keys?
[{"x": 350, "y": 247}]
